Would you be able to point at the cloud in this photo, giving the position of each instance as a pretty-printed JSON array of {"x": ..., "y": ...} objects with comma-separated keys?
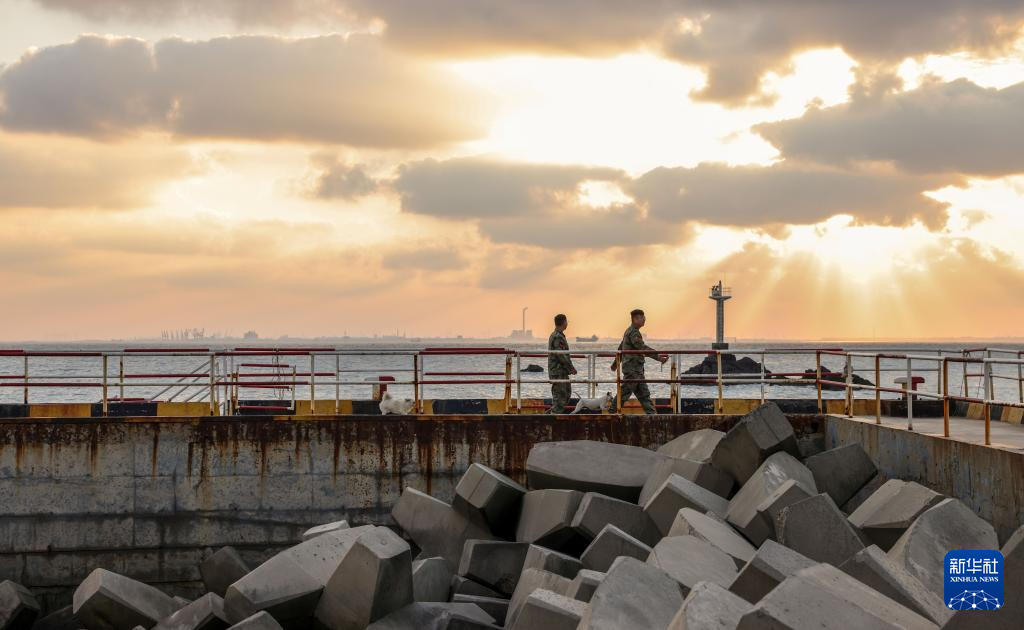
[
  {"x": 339, "y": 180},
  {"x": 425, "y": 258},
  {"x": 786, "y": 193},
  {"x": 243, "y": 12},
  {"x": 70, "y": 173},
  {"x": 330, "y": 89},
  {"x": 954, "y": 127}
]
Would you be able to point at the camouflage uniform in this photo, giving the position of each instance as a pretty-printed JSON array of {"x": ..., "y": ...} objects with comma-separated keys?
[
  {"x": 559, "y": 366},
  {"x": 633, "y": 369}
]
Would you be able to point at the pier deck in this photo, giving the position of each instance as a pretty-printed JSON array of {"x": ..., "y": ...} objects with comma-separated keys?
[{"x": 1003, "y": 435}]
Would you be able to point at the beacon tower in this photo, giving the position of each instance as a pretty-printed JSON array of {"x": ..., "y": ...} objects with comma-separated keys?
[{"x": 720, "y": 295}]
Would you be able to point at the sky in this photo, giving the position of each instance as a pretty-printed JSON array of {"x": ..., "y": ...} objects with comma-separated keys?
[{"x": 327, "y": 167}]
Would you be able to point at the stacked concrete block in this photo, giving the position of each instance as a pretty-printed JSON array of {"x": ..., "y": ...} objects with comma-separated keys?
[
  {"x": 18, "y": 607},
  {"x": 584, "y": 584},
  {"x": 704, "y": 474},
  {"x": 465, "y": 586},
  {"x": 1010, "y": 615},
  {"x": 767, "y": 514},
  {"x": 259, "y": 621},
  {"x": 490, "y": 496},
  {"x": 746, "y": 510},
  {"x": 692, "y": 523},
  {"x": 373, "y": 580},
  {"x": 108, "y": 601},
  {"x": 710, "y": 607},
  {"x": 279, "y": 586},
  {"x": 678, "y": 493},
  {"x": 633, "y": 595},
  {"x": 610, "y": 544},
  {"x": 549, "y": 560},
  {"x": 841, "y": 472},
  {"x": 60, "y": 619},
  {"x": 313, "y": 532},
  {"x": 875, "y": 569},
  {"x": 547, "y": 517},
  {"x": 205, "y": 613},
  {"x": 886, "y": 514},
  {"x": 435, "y": 527},
  {"x": 547, "y": 610},
  {"x": 824, "y": 597},
  {"x": 697, "y": 445},
  {"x": 222, "y": 569},
  {"x": 769, "y": 567},
  {"x": 496, "y": 607},
  {"x": 493, "y": 563},
  {"x": 613, "y": 470},
  {"x": 431, "y": 580},
  {"x": 596, "y": 510},
  {"x": 321, "y": 555},
  {"x": 816, "y": 528},
  {"x": 865, "y": 491},
  {"x": 690, "y": 560},
  {"x": 434, "y": 616},
  {"x": 530, "y": 581},
  {"x": 950, "y": 524},
  {"x": 753, "y": 439}
]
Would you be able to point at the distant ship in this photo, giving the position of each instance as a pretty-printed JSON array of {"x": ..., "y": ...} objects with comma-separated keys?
[{"x": 590, "y": 338}]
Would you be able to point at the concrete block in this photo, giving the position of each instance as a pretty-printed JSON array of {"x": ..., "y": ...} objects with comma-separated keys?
[
  {"x": 531, "y": 580},
  {"x": 759, "y": 434},
  {"x": 435, "y": 527},
  {"x": 763, "y": 526},
  {"x": 584, "y": 584},
  {"x": 921, "y": 550},
  {"x": 825, "y": 598},
  {"x": 862, "y": 495},
  {"x": 614, "y": 470},
  {"x": 678, "y": 493},
  {"x": 610, "y": 544},
  {"x": 60, "y": 619},
  {"x": 704, "y": 474},
  {"x": 690, "y": 560},
  {"x": 696, "y": 445},
  {"x": 633, "y": 595},
  {"x": 875, "y": 569},
  {"x": 546, "y": 519},
  {"x": 494, "y": 606},
  {"x": 181, "y": 602},
  {"x": 710, "y": 607},
  {"x": 313, "y": 532},
  {"x": 433, "y": 616},
  {"x": 320, "y": 556},
  {"x": 431, "y": 580},
  {"x": 769, "y": 476},
  {"x": 222, "y": 569},
  {"x": 596, "y": 510},
  {"x": 485, "y": 494},
  {"x": 108, "y": 601},
  {"x": 494, "y": 563},
  {"x": 886, "y": 514},
  {"x": 374, "y": 579},
  {"x": 205, "y": 613},
  {"x": 1010, "y": 614},
  {"x": 547, "y": 610},
  {"x": 817, "y": 529},
  {"x": 772, "y": 564},
  {"x": 279, "y": 586},
  {"x": 692, "y": 523},
  {"x": 841, "y": 472},
  {"x": 259, "y": 621},
  {"x": 18, "y": 607},
  {"x": 549, "y": 560},
  {"x": 465, "y": 586}
]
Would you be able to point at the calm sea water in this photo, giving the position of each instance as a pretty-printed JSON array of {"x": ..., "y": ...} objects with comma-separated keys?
[{"x": 360, "y": 368}]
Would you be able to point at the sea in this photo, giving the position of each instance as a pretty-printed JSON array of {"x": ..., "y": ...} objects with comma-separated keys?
[{"x": 67, "y": 378}]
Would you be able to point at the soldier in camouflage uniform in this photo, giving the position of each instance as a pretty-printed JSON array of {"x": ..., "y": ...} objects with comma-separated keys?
[
  {"x": 559, "y": 365},
  {"x": 633, "y": 364}
]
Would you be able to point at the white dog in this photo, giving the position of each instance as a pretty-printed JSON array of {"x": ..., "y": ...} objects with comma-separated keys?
[
  {"x": 601, "y": 403},
  {"x": 397, "y": 406}
]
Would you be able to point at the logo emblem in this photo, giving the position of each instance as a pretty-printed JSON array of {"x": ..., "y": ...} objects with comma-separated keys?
[{"x": 974, "y": 580}]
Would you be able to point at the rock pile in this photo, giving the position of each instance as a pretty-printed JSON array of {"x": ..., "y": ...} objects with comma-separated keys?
[{"x": 711, "y": 531}]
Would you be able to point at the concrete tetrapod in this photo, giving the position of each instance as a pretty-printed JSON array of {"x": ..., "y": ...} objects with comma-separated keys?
[
  {"x": 222, "y": 569},
  {"x": 886, "y": 514},
  {"x": 435, "y": 527},
  {"x": 431, "y": 616},
  {"x": 769, "y": 476},
  {"x": 431, "y": 580},
  {"x": 690, "y": 560},
  {"x": 529, "y": 581},
  {"x": 18, "y": 607},
  {"x": 259, "y": 621},
  {"x": 546, "y": 519},
  {"x": 825, "y": 598},
  {"x": 763, "y": 527},
  {"x": 60, "y": 619},
  {"x": 494, "y": 563},
  {"x": 538, "y": 557},
  {"x": 841, "y": 472},
  {"x": 584, "y": 584},
  {"x": 692, "y": 523},
  {"x": 108, "y": 601},
  {"x": 373, "y": 580},
  {"x": 465, "y": 586},
  {"x": 614, "y": 470},
  {"x": 610, "y": 544},
  {"x": 313, "y": 532},
  {"x": 710, "y": 607},
  {"x": 1011, "y": 613},
  {"x": 677, "y": 493},
  {"x": 596, "y": 510},
  {"x": 496, "y": 607},
  {"x": 817, "y": 529},
  {"x": 547, "y": 610},
  {"x": 772, "y": 564},
  {"x": 862, "y": 495},
  {"x": 872, "y": 567},
  {"x": 697, "y": 445},
  {"x": 205, "y": 613},
  {"x": 280, "y": 587},
  {"x": 487, "y": 495},
  {"x": 704, "y": 474},
  {"x": 320, "y": 556},
  {"x": 759, "y": 434},
  {"x": 633, "y": 595},
  {"x": 921, "y": 550}
]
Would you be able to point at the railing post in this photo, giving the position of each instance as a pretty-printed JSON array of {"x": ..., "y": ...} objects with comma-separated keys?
[
  {"x": 910, "y": 398},
  {"x": 849, "y": 386},
  {"x": 213, "y": 388},
  {"x": 817, "y": 372},
  {"x": 25, "y": 392},
  {"x": 673, "y": 389},
  {"x": 986, "y": 372},
  {"x": 295, "y": 387},
  {"x": 1020, "y": 376},
  {"x": 618, "y": 381},
  {"x": 508, "y": 383},
  {"x": 762, "y": 378},
  {"x": 120, "y": 379},
  {"x": 945, "y": 396},
  {"x": 967, "y": 391},
  {"x": 312, "y": 383},
  {"x": 878, "y": 392},
  {"x": 519, "y": 383},
  {"x": 337, "y": 383},
  {"x": 721, "y": 393},
  {"x": 106, "y": 407}
]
